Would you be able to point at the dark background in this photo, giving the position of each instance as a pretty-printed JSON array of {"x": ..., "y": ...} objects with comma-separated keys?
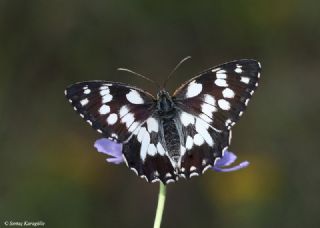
[{"x": 49, "y": 169}]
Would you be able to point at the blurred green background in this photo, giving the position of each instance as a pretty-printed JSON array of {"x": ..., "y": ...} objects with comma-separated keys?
[{"x": 49, "y": 169}]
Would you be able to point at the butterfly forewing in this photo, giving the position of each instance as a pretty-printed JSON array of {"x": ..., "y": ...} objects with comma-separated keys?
[
  {"x": 220, "y": 95},
  {"x": 113, "y": 109}
]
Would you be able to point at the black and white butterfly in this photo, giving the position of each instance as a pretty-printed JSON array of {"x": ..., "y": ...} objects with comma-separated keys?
[{"x": 167, "y": 137}]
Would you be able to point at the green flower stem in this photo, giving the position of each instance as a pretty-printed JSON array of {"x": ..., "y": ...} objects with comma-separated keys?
[{"x": 160, "y": 207}]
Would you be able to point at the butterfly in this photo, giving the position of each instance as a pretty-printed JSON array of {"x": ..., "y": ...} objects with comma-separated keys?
[{"x": 168, "y": 137}]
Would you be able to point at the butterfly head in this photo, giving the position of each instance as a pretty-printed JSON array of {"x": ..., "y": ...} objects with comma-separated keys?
[{"x": 165, "y": 104}]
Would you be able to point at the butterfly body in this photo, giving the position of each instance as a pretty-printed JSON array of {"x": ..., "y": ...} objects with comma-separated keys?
[{"x": 170, "y": 137}]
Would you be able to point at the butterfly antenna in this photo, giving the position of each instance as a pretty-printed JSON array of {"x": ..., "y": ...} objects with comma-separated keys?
[
  {"x": 174, "y": 70},
  {"x": 140, "y": 75}
]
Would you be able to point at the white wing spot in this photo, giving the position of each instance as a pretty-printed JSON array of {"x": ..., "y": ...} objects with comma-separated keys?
[
  {"x": 194, "y": 89},
  {"x": 198, "y": 140},
  {"x": 201, "y": 128},
  {"x": 112, "y": 119},
  {"x": 228, "y": 93},
  {"x": 106, "y": 98},
  {"x": 189, "y": 142},
  {"x": 241, "y": 113},
  {"x": 87, "y": 91},
  {"x": 223, "y": 104},
  {"x": 238, "y": 69},
  {"x": 182, "y": 150},
  {"x": 228, "y": 122},
  {"x": 144, "y": 146},
  {"x": 169, "y": 181},
  {"x": 206, "y": 168},
  {"x": 251, "y": 92},
  {"x": 194, "y": 174},
  {"x": 104, "y": 109},
  {"x": 245, "y": 80},
  {"x": 104, "y": 87},
  {"x": 208, "y": 109},
  {"x": 84, "y": 101},
  {"x": 186, "y": 119},
  {"x": 134, "y": 97},
  {"x": 89, "y": 122},
  {"x": 134, "y": 170},
  {"x": 209, "y": 99},
  {"x": 141, "y": 133},
  {"x": 123, "y": 110},
  {"x": 221, "y": 82},
  {"x": 205, "y": 118},
  {"x": 160, "y": 148},
  {"x": 114, "y": 135},
  {"x": 155, "y": 180},
  {"x": 156, "y": 173},
  {"x": 133, "y": 126},
  {"x": 221, "y": 74},
  {"x": 152, "y": 125},
  {"x": 104, "y": 90},
  {"x": 98, "y": 130},
  {"x": 152, "y": 150},
  {"x": 246, "y": 102},
  {"x": 128, "y": 119},
  {"x": 193, "y": 168}
]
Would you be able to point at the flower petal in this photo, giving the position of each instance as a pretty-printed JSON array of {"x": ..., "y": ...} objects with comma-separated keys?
[
  {"x": 116, "y": 161},
  {"x": 110, "y": 148},
  {"x": 227, "y": 159},
  {"x": 231, "y": 169}
]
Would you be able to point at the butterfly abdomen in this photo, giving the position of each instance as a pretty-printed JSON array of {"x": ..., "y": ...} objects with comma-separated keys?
[{"x": 172, "y": 138}]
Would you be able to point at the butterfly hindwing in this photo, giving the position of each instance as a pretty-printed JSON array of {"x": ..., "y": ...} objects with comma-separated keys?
[
  {"x": 113, "y": 109},
  {"x": 146, "y": 153},
  {"x": 202, "y": 144}
]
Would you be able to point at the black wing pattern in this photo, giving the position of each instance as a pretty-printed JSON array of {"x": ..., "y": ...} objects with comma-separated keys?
[
  {"x": 125, "y": 114},
  {"x": 210, "y": 104}
]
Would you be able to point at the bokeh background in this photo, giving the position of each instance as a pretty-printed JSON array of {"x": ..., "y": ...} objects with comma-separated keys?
[{"x": 49, "y": 170}]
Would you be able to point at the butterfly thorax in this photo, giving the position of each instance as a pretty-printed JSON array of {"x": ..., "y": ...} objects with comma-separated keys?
[{"x": 165, "y": 105}]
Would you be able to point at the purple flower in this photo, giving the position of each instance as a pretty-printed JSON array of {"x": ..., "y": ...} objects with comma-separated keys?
[
  {"x": 227, "y": 159},
  {"x": 110, "y": 148},
  {"x": 114, "y": 150}
]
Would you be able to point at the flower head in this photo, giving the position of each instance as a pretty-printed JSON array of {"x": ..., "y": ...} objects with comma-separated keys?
[{"x": 114, "y": 150}]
